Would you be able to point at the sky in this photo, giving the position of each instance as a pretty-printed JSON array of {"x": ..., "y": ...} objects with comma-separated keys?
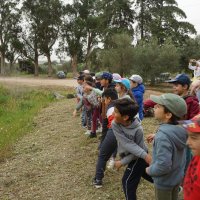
[{"x": 192, "y": 10}]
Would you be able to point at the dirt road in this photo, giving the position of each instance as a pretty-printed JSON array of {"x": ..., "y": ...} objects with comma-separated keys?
[{"x": 38, "y": 81}]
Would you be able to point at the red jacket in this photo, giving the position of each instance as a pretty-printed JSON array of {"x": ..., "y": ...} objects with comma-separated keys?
[{"x": 192, "y": 106}]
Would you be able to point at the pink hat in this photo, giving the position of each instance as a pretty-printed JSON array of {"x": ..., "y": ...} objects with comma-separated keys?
[{"x": 116, "y": 76}]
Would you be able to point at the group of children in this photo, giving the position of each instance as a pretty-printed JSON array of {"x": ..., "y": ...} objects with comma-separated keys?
[{"x": 117, "y": 104}]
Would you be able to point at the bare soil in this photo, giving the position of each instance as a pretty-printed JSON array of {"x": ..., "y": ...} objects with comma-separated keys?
[{"x": 57, "y": 161}]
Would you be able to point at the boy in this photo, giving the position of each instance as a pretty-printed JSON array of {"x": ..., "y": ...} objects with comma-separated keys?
[
  {"x": 192, "y": 179},
  {"x": 138, "y": 90},
  {"x": 131, "y": 147},
  {"x": 167, "y": 167},
  {"x": 109, "y": 144}
]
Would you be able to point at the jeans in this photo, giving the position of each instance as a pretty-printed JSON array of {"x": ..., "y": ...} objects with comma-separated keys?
[
  {"x": 108, "y": 147},
  {"x": 95, "y": 116},
  {"x": 132, "y": 175},
  {"x": 83, "y": 116}
]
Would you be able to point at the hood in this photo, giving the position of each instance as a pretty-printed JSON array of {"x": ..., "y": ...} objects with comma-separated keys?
[
  {"x": 140, "y": 88},
  {"x": 176, "y": 134}
]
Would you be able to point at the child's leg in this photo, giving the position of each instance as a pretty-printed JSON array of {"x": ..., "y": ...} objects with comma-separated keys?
[
  {"x": 108, "y": 146},
  {"x": 132, "y": 177},
  {"x": 83, "y": 117},
  {"x": 171, "y": 194},
  {"x": 94, "y": 119}
]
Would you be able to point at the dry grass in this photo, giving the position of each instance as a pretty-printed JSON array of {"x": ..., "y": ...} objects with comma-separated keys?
[{"x": 57, "y": 161}]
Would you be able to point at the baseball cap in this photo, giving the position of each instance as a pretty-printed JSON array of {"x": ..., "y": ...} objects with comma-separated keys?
[
  {"x": 182, "y": 79},
  {"x": 107, "y": 76},
  {"x": 86, "y": 71},
  {"x": 192, "y": 125},
  {"x": 116, "y": 76},
  {"x": 98, "y": 75},
  {"x": 136, "y": 78},
  {"x": 125, "y": 82},
  {"x": 174, "y": 103}
]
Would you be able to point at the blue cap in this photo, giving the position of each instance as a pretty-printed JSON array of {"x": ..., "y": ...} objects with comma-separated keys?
[
  {"x": 182, "y": 79},
  {"x": 107, "y": 76},
  {"x": 125, "y": 82}
]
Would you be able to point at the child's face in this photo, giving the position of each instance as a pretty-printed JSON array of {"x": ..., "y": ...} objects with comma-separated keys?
[
  {"x": 104, "y": 82},
  {"x": 179, "y": 89},
  {"x": 193, "y": 142},
  {"x": 107, "y": 100},
  {"x": 85, "y": 89},
  {"x": 133, "y": 84},
  {"x": 80, "y": 82},
  {"x": 118, "y": 118},
  {"x": 159, "y": 113},
  {"x": 118, "y": 88}
]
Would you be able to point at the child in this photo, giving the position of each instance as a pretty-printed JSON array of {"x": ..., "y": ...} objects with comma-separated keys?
[
  {"x": 109, "y": 144},
  {"x": 138, "y": 90},
  {"x": 192, "y": 179},
  {"x": 167, "y": 167},
  {"x": 131, "y": 147}
]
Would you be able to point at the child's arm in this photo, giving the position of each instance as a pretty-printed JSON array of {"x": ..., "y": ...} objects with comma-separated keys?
[
  {"x": 163, "y": 163},
  {"x": 79, "y": 104}
]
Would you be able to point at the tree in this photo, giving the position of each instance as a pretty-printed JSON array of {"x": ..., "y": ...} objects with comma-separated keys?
[
  {"x": 119, "y": 57},
  {"x": 151, "y": 59},
  {"x": 9, "y": 28},
  {"x": 162, "y": 19}
]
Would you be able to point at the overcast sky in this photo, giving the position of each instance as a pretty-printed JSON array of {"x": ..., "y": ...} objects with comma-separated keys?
[{"x": 192, "y": 10}]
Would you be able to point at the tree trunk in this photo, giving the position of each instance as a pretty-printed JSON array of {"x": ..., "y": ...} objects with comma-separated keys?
[
  {"x": 36, "y": 67},
  {"x": 142, "y": 20},
  {"x": 3, "y": 71},
  {"x": 74, "y": 64},
  {"x": 11, "y": 67},
  {"x": 50, "y": 69}
]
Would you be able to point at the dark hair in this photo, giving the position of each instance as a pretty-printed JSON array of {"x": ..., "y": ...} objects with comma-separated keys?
[
  {"x": 110, "y": 92},
  {"x": 174, "y": 119},
  {"x": 88, "y": 78},
  {"x": 127, "y": 107},
  {"x": 90, "y": 83}
]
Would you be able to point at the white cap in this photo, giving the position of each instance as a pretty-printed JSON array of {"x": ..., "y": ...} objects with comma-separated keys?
[
  {"x": 136, "y": 78},
  {"x": 116, "y": 76},
  {"x": 86, "y": 71}
]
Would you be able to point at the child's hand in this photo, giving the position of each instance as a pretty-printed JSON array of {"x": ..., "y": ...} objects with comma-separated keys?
[
  {"x": 148, "y": 159},
  {"x": 150, "y": 138},
  {"x": 147, "y": 170},
  {"x": 118, "y": 164},
  {"x": 74, "y": 113}
]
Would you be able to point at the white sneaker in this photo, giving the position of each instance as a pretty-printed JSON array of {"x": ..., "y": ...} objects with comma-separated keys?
[
  {"x": 87, "y": 132},
  {"x": 99, "y": 130},
  {"x": 111, "y": 163}
]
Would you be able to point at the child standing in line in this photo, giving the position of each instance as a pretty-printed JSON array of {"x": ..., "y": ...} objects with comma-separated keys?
[
  {"x": 131, "y": 146},
  {"x": 138, "y": 89},
  {"x": 169, "y": 157},
  {"x": 191, "y": 186},
  {"x": 109, "y": 144}
]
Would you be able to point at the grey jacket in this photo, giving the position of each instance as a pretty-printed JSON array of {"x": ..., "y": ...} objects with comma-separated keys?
[
  {"x": 167, "y": 168},
  {"x": 130, "y": 141}
]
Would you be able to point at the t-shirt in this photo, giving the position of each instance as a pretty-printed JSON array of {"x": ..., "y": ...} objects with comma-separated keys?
[{"x": 191, "y": 185}]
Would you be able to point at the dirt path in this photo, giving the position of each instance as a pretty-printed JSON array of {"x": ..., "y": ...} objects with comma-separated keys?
[{"x": 38, "y": 81}]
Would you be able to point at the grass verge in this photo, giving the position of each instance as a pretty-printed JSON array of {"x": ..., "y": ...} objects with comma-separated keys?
[{"x": 17, "y": 110}]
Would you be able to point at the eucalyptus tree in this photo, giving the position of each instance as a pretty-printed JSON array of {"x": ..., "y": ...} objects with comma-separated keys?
[{"x": 9, "y": 28}]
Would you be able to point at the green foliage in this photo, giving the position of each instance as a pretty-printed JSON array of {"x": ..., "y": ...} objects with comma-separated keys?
[
  {"x": 151, "y": 59},
  {"x": 17, "y": 111}
]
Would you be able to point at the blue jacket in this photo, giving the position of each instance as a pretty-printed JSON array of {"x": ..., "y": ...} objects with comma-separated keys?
[
  {"x": 138, "y": 93},
  {"x": 167, "y": 167}
]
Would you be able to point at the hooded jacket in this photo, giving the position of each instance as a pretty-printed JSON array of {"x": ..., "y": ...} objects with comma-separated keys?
[
  {"x": 167, "y": 168},
  {"x": 138, "y": 93},
  {"x": 130, "y": 141}
]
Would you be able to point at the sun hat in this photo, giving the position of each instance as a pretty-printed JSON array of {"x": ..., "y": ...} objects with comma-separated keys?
[
  {"x": 116, "y": 76},
  {"x": 182, "y": 79},
  {"x": 174, "y": 103},
  {"x": 125, "y": 82},
  {"x": 136, "y": 78}
]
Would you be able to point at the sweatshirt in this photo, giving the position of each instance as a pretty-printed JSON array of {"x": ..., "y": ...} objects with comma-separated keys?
[
  {"x": 130, "y": 141},
  {"x": 168, "y": 163}
]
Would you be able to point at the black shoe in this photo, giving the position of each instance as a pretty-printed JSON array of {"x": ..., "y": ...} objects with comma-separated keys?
[
  {"x": 97, "y": 183},
  {"x": 92, "y": 135}
]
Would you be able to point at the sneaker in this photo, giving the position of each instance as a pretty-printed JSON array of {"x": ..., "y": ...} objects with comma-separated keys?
[
  {"x": 111, "y": 163},
  {"x": 97, "y": 183},
  {"x": 87, "y": 132},
  {"x": 99, "y": 130},
  {"x": 92, "y": 135}
]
